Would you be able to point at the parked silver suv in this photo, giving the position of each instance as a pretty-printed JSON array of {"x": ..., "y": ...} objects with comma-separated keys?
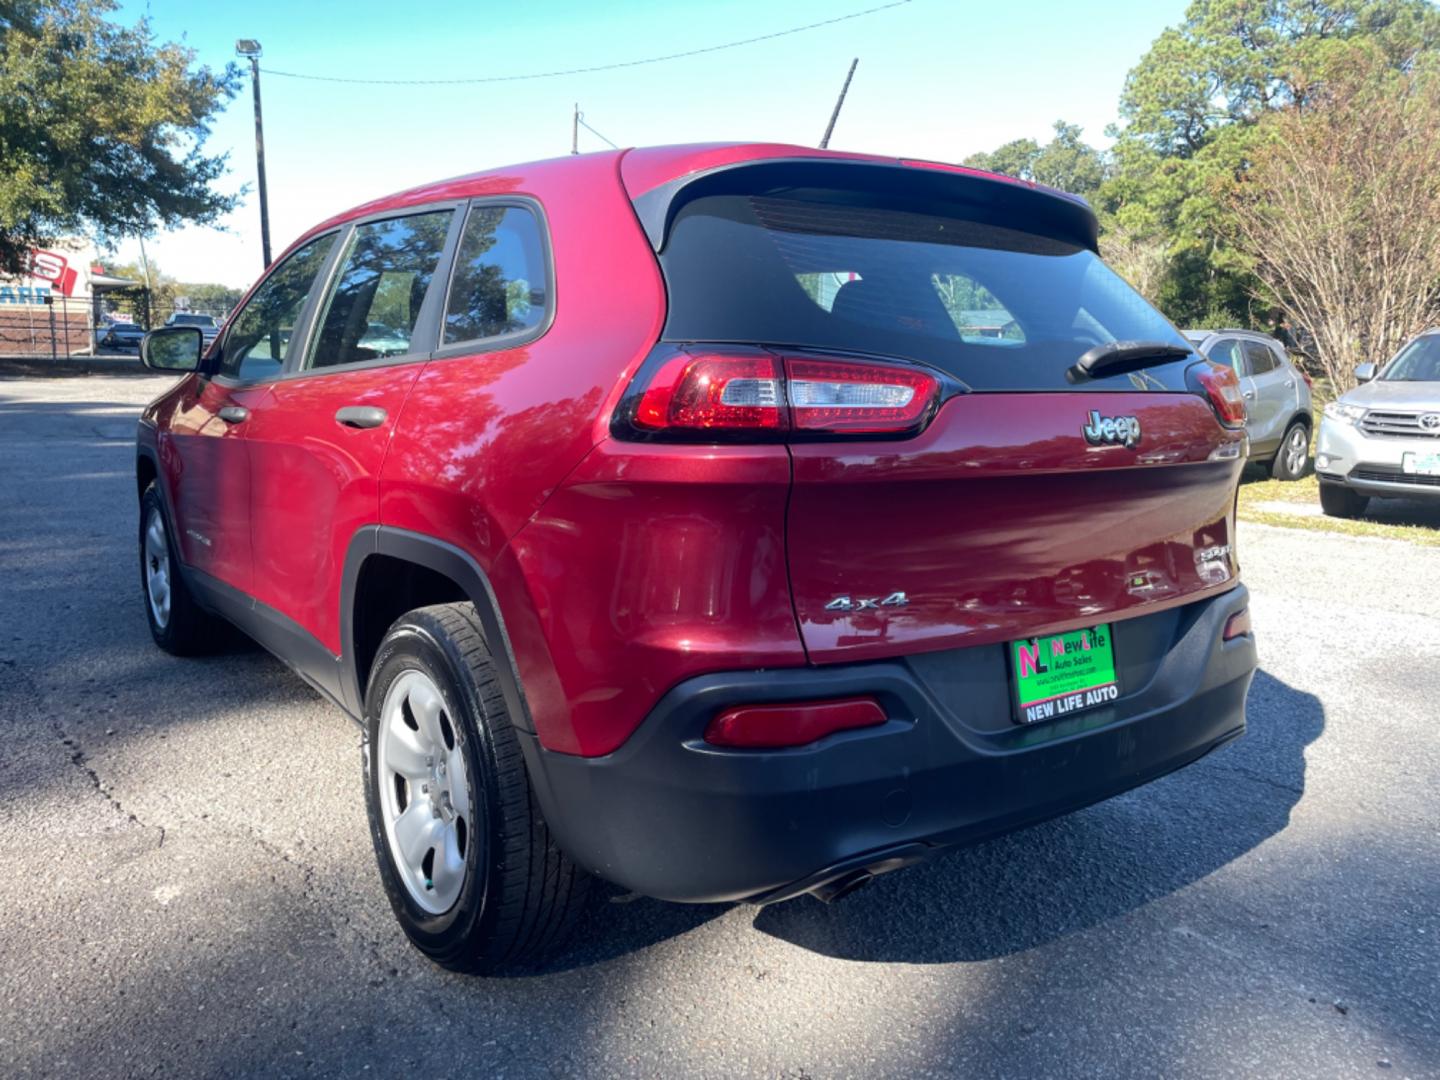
[
  {"x": 1277, "y": 396},
  {"x": 1383, "y": 437}
]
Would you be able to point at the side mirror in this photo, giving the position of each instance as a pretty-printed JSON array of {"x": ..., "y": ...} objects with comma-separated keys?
[
  {"x": 172, "y": 348},
  {"x": 1365, "y": 372}
]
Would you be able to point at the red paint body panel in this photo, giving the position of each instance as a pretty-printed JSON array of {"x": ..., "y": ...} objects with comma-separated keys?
[
  {"x": 645, "y": 170},
  {"x": 652, "y": 564},
  {"x": 621, "y": 569},
  {"x": 313, "y": 484},
  {"x": 206, "y": 473},
  {"x": 1000, "y": 521},
  {"x": 488, "y": 437}
]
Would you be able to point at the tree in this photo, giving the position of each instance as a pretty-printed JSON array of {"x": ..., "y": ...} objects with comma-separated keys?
[
  {"x": 1065, "y": 162},
  {"x": 1340, "y": 211},
  {"x": 101, "y": 128},
  {"x": 208, "y": 297},
  {"x": 1191, "y": 110}
]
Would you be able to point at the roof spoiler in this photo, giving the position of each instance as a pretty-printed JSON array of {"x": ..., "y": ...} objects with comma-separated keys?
[{"x": 979, "y": 196}]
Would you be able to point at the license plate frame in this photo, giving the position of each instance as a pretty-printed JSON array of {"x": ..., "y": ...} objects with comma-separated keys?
[
  {"x": 1413, "y": 463},
  {"x": 1047, "y": 683}
]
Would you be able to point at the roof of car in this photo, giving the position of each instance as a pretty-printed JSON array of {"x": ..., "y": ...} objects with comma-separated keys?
[
  {"x": 642, "y": 170},
  {"x": 1201, "y": 335}
]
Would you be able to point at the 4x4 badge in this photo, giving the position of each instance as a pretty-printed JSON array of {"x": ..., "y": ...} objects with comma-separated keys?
[
  {"x": 1122, "y": 430},
  {"x": 874, "y": 603}
]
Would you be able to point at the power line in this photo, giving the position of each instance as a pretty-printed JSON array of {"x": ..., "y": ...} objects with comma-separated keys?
[{"x": 593, "y": 68}]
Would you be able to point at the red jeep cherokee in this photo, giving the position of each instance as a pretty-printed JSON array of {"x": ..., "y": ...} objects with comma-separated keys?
[{"x": 729, "y": 522}]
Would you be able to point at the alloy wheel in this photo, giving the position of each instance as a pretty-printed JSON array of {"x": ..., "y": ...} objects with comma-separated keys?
[{"x": 1297, "y": 449}]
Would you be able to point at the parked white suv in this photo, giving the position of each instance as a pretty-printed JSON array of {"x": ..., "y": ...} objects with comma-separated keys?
[
  {"x": 1277, "y": 396},
  {"x": 1383, "y": 437}
]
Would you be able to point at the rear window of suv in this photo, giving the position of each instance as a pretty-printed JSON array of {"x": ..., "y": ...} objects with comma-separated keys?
[{"x": 997, "y": 307}]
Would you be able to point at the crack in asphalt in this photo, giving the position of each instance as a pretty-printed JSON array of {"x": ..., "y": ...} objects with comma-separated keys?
[
  {"x": 79, "y": 759},
  {"x": 1248, "y": 774}
]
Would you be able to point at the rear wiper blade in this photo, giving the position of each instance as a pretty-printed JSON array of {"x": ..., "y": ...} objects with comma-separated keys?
[{"x": 1118, "y": 357}]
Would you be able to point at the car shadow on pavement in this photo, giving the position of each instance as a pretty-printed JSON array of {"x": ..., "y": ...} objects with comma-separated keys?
[{"x": 1027, "y": 889}]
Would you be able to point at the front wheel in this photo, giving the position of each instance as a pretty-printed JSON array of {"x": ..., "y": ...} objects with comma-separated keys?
[
  {"x": 177, "y": 623},
  {"x": 1339, "y": 501},
  {"x": 1294, "y": 455},
  {"x": 471, "y": 871}
]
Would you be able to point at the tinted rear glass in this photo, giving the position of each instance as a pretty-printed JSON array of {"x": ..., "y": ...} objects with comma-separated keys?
[{"x": 995, "y": 306}]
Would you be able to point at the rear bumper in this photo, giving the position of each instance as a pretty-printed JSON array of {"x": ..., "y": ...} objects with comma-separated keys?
[{"x": 669, "y": 816}]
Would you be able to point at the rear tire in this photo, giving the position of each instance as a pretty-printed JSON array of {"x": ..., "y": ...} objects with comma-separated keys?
[
  {"x": 177, "y": 623},
  {"x": 1339, "y": 501},
  {"x": 1293, "y": 457},
  {"x": 476, "y": 880}
]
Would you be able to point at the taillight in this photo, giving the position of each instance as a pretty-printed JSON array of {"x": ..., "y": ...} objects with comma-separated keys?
[
  {"x": 713, "y": 392},
  {"x": 1306, "y": 376},
  {"x": 843, "y": 396},
  {"x": 754, "y": 394},
  {"x": 760, "y": 727},
  {"x": 1221, "y": 387}
]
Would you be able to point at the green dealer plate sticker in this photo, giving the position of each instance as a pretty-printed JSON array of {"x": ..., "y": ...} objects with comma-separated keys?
[{"x": 1063, "y": 674}]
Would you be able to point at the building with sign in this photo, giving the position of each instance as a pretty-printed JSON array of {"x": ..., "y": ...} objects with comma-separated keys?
[{"x": 54, "y": 305}]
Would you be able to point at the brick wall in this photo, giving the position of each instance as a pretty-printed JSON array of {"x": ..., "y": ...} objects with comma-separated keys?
[{"x": 59, "y": 329}]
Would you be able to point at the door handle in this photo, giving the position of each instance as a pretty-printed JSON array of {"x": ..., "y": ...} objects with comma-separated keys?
[
  {"x": 1250, "y": 393},
  {"x": 234, "y": 414},
  {"x": 361, "y": 416}
]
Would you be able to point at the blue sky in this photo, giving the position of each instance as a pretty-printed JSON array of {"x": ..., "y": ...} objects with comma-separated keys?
[{"x": 937, "y": 79}]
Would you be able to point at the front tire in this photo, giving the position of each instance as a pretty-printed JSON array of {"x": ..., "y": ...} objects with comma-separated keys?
[
  {"x": 1339, "y": 501},
  {"x": 470, "y": 868},
  {"x": 1294, "y": 454},
  {"x": 177, "y": 623}
]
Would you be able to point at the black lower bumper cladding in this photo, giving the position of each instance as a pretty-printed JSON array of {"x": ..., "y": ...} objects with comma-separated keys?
[{"x": 670, "y": 816}]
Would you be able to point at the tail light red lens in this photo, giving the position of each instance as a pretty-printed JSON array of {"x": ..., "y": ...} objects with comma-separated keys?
[
  {"x": 771, "y": 727},
  {"x": 1220, "y": 385},
  {"x": 709, "y": 392},
  {"x": 756, "y": 394}
]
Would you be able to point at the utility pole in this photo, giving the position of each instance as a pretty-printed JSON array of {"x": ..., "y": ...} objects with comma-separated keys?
[
  {"x": 830, "y": 127},
  {"x": 149, "y": 291},
  {"x": 250, "y": 48},
  {"x": 575, "y": 130}
]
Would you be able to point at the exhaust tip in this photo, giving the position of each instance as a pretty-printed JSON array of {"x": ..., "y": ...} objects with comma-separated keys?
[{"x": 842, "y": 886}]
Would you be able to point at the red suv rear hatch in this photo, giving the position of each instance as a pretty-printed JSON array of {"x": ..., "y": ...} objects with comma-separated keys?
[{"x": 1018, "y": 498}]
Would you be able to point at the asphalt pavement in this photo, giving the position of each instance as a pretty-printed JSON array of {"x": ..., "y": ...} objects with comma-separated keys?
[{"x": 187, "y": 886}]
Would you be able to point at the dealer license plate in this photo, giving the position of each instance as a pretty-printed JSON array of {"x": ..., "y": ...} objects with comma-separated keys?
[
  {"x": 1062, "y": 674},
  {"x": 1421, "y": 464}
]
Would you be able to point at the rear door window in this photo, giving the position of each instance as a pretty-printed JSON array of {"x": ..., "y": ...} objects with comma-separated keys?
[
  {"x": 1227, "y": 351},
  {"x": 374, "y": 306},
  {"x": 1259, "y": 357},
  {"x": 996, "y": 306}
]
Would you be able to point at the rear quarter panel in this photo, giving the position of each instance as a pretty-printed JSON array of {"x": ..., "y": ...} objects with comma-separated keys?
[{"x": 486, "y": 438}]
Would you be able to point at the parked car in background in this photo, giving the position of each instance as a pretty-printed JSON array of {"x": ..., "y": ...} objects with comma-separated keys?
[
  {"x": 120, "y": 334},
  {"x": 707, "y": 580},
  {"x": 1383, "y": 438},
  {"x": 1277, "y": 396},
  {"x": 382, "y": 341},
  {"x": 209, "y": 326}
]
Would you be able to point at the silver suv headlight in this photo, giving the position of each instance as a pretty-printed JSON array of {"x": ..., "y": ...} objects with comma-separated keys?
[{"x": 1346, "y": 414}]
